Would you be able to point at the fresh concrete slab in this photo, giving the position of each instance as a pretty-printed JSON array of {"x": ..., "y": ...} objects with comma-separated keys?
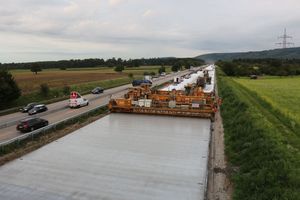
[{"x": 119, "y": 157}]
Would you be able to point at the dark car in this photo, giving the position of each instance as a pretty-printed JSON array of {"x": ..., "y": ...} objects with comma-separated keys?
[
  {"x": 37, "y": 109},
  {"x": 139, "y": 82},
  {"x": 97, "y": 90},
  {"x": 31, "y": 124},
  {"x": 28, "y": 107}
]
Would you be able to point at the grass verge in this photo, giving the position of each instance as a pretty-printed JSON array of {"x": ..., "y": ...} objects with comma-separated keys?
[{"x": 264, "y": 159}]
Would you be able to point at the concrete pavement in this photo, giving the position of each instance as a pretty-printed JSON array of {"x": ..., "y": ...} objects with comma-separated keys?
[{"x": 119, "y": 157}]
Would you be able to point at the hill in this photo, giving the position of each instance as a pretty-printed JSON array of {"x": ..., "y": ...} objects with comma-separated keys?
[{"x": 288, "y": 53}]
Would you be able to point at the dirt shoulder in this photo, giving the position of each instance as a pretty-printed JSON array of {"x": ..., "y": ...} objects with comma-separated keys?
[{"x": 219, "y": 185}]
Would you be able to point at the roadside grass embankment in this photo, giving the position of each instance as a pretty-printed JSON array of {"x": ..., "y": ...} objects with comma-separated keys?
[{"x": 262, "y": 146}]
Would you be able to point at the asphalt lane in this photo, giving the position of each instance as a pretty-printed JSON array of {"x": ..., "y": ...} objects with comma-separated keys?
[{"x": 60, "y": 110}]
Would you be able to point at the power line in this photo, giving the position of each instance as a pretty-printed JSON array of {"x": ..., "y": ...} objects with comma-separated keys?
[{"x": 285, "y": 38}]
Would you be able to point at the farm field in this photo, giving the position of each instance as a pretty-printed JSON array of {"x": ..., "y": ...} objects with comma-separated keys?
[
  {"x": 262, "y": 135},
  {"x": 55, "y": 78},
  {"x": 282, "y": 93}
]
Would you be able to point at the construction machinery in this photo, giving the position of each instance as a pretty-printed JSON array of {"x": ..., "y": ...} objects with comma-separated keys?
[{"x": 191, "y": 102}]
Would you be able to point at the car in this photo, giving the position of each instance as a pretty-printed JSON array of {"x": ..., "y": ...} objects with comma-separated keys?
[
  {"x": 139, "y": 82},
  {"x": 76, "y": 100},
  {"x": 37, "y": 109},
  {"x": 97, "y": 90},
  {"x": 31, "y": 124},
  {"x": 28, "y": 107}
]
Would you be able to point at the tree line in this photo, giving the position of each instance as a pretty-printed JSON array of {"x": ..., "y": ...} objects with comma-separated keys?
[
  {"x": 98, "y": 62},
  {"x": 274, "y": 67}
]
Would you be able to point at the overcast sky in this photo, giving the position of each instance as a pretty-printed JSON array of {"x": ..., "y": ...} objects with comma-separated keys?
[{"x": 34, "y": 30}]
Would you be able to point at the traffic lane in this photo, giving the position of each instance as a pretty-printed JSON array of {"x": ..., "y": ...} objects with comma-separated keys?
[
  {"x": 12, "y": 119},
  {"x": 53, "y": 118},
  {"x": 11, "y": 132}
]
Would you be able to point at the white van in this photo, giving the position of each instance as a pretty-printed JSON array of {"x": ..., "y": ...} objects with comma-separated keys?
[{"x": 76, "y": 100}]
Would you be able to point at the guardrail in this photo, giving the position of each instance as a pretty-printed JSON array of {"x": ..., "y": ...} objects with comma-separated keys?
[{"x": 41, "y": 131}]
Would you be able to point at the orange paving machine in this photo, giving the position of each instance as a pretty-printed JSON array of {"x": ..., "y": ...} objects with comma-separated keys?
[{"x": 192, "y": 102}]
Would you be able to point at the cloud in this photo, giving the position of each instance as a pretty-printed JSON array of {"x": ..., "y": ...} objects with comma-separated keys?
[
  {"x": 71, "y": 8},
  {"x": 141, "y": 28},
  {"x": 148, "y": 13},
  {"x": 115, "y": 2}
]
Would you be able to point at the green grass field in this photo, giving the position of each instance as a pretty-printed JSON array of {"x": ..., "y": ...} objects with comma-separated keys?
[
  {"x": 282, "y": 93},
  {"x": 262, "y": 135}
]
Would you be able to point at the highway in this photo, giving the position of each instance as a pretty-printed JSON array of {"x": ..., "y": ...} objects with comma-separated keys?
[{"x": 59, "y": 110}]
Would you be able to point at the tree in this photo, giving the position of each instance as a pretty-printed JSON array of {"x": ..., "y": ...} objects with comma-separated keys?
[
  {"x": 229, "y": 68},
  {"x": 44, "y": 89},
  {"x": 111, "y": 62},
  {"x": 119, "y": 68},
  {"x": 146, "y": 73},
  {"x": 66, "y": 90},
  {"x": 136, "y": 63},
  {"x": 188, "y": 65},
  {"x": 276, "y": 63},
  {"x": 9, "y": 89},
  {"x": 176, "y": 67},
  {"x": 161, "y": 69},
  {"x": 35, "y": 67},
  {"x": 130, "y": 75}
]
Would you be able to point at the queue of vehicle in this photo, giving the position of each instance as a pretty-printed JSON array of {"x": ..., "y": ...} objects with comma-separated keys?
[{"x": 33, "y": 123}]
